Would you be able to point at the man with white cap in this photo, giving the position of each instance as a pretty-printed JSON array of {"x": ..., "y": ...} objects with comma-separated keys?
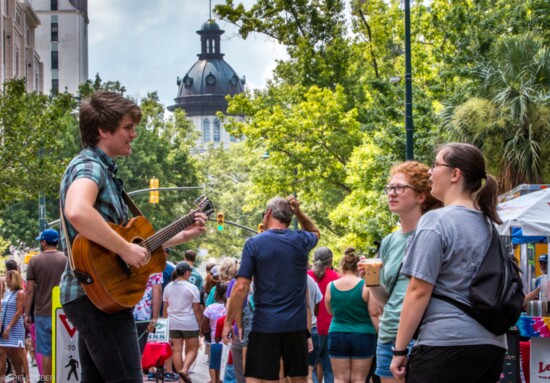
[{"x": 43, "y": 274}]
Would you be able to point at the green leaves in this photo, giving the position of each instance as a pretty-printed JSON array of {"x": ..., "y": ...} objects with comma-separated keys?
[
  {"x": 30, "y": 141},
  {"x": 511, "y": 121}
]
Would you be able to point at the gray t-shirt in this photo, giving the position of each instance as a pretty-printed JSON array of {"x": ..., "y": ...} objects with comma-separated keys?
[{"x": 446, "y": 251}]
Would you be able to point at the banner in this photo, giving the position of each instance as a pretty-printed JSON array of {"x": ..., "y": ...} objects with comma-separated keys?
[{"x": 540, "y": 360}]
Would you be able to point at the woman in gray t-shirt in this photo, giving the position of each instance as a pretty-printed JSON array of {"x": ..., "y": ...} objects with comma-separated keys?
[{"x": 443, "y": 257}]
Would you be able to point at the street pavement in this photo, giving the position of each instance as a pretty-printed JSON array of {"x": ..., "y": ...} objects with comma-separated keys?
[{"x": 198, "y": 372}]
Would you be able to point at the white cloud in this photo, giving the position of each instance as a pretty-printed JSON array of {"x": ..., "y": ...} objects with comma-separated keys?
[{"x": 147, "y": 44}]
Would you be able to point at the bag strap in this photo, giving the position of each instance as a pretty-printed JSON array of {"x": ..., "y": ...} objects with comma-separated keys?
[
  {"x": 465, "y": 308},
  {"x": 390, "y": 290},
  {"x": 6, "y": 310}
]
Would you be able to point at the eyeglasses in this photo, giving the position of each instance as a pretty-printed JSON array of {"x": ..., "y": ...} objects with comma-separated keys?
[
  {"x": 264, "y": 213},
  {"x": 436, "y": 164},
  {"x": 397, "y": 189}
]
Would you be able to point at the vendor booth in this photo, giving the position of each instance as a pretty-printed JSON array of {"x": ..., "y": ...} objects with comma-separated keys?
[{"x": 526, "y": 223}]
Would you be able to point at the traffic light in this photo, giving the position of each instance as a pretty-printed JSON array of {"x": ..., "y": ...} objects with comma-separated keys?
[
  {"x": 220, "y": 221},
  {"x": 261, "y": 228},
  {"x": 154, "y": 195}
]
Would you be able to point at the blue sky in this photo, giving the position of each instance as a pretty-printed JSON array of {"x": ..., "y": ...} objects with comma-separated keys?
[{"x": 147, "y": 44}]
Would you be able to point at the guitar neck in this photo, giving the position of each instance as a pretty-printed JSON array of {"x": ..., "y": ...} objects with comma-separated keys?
[{"x": 162, "y": 236}]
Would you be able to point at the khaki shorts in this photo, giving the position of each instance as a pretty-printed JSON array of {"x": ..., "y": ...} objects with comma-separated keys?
[{"x": 180, "y": 334}]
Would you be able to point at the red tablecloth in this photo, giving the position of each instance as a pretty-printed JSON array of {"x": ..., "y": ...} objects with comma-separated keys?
[{"x": 155, "y": 354}]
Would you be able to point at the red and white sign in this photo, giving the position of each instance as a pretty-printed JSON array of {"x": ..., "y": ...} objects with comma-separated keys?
[
  {"x": 540, "y": 360},
  {"x": 67, "y": 359}
]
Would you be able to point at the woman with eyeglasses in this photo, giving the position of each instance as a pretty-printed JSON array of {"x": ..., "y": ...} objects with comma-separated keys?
[
  {"x": 12, "y": 326},
  {"x": 442, "y": 258},
  {"x": 409, "y": 197}
]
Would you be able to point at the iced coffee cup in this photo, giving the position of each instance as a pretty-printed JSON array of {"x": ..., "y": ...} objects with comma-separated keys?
[{"x": 372, "y": 271}]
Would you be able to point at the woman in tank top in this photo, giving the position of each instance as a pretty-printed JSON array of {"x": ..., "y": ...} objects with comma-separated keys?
[
  {"x": 13, "y": 336},
  {"x": 352, "y": 333}
]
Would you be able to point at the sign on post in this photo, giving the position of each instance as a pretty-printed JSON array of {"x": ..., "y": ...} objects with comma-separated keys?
[
  {"x": 65, "y": 357},
  {"x": 161, "y": 331}
]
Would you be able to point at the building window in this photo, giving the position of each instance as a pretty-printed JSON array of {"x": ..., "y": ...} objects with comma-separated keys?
[
  {"x": 206, "y": 130},
  {"x": 55, "y": 60},
  {"x": 216, "y": 130},
  {"x": 54, "y": 5},
  {"x": 54, "y": 29},
  {"x": 55, "y": 86},
  {"x": 210, "y": 79},
  {"x": 18, "y": 18},
  {"x": 16, "y": 62}
]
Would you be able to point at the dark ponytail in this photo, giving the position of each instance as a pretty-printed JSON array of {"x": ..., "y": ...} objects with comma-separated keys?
[
  {"x": 487, "y": 199},
  {"x": 482, "y": 187}
]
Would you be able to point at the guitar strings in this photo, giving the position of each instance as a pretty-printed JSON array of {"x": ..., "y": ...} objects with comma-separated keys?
[{"x": 156, "y": 240}]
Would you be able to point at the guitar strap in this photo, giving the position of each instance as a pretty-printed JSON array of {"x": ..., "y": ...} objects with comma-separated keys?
[
  {"x": 66, "y": 235},
  {"x": 131, "y": 205},
  {"x": 83, "y": 277}
]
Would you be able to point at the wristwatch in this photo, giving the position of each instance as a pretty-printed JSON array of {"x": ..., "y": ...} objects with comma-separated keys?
[{"x": 399, "y": 352}]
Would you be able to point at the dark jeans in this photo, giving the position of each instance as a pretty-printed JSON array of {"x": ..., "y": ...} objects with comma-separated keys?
[{"x": 107, "y": 343}]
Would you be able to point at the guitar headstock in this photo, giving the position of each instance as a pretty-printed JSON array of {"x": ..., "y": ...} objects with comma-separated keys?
[{"x": 204, "y": 205}]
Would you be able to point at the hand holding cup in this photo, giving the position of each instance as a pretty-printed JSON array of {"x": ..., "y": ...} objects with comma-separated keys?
[{"x": 371, "y": 267}]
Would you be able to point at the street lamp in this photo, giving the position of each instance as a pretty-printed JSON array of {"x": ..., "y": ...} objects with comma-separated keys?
[{"x": 409, "y": 127}]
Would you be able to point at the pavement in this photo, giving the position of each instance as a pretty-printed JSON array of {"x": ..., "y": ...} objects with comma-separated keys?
[{"x": 198, "y": 372}]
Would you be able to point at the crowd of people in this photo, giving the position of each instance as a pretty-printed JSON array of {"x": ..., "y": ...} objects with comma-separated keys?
[{"x": 282, "y": 317}]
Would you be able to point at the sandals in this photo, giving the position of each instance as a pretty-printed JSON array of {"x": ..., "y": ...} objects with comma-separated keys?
[{"x": 184, "y": 377}]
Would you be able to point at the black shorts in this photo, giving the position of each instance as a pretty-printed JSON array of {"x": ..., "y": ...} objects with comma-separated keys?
[
  {"x": 456, "y": 364},
  {"x": 265, "y": 351}
]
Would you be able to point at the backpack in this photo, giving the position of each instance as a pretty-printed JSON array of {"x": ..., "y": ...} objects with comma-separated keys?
[{"x": 496, "y": 291}]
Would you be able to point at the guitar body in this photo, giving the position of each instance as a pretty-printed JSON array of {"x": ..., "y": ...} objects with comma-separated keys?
[{"x": 114, "y": 285}]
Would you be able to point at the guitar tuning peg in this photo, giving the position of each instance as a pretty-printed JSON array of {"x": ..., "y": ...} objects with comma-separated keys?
[{"x": 199, "y": 199}]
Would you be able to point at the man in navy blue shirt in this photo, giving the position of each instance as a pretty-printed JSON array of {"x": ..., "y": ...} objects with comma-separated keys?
[{"x": 277, "y": 260}]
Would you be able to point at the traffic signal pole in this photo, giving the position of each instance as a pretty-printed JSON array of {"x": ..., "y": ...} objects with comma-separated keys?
[{"x": 173, "y": 188}]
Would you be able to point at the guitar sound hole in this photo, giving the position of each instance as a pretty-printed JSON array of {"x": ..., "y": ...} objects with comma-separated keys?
[{"x": 139, "y": 241}]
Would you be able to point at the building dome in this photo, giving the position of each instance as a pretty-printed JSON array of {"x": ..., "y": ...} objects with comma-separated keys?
[
  {"x": 210, "y": 25},
  {"x": 203, "y": 89}
]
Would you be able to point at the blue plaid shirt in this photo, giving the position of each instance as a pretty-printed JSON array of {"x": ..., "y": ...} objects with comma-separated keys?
[{"x": 93, "y": 164}]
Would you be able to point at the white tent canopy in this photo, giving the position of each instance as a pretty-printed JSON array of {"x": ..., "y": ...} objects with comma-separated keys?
[{"x": 530, "y": 212}]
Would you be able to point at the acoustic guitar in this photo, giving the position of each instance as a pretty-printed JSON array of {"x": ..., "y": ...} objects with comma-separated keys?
[{"x": 110, "y": 283}]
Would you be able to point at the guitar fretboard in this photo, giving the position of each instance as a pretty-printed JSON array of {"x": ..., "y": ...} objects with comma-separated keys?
[{"x": 162, "y": 236}]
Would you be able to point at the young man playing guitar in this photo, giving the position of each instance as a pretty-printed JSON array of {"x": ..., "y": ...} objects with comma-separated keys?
[{"x": 91, "y": 196}]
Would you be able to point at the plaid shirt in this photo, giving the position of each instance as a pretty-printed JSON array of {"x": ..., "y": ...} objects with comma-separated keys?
[{"x": 93, "y": 164}]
